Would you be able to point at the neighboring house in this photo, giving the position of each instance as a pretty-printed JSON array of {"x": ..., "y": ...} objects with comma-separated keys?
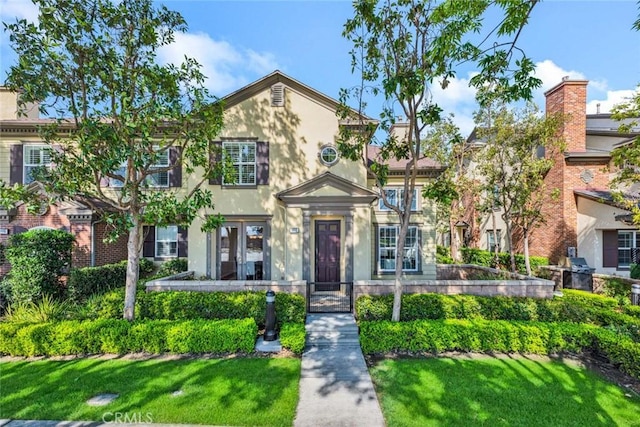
[
  {"x": 585, "y": 221},
  {"x": 295, "y": 211}
]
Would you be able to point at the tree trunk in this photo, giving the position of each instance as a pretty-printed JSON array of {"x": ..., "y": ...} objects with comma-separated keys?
[
  {"x": 133, "y": 261},
  {"x": 397, "y": 288},
  {"x": 454, "y": 245},
  {"x": 512, "y": 256},
  {"x": 527, "y": 263},
  {"x": 495, "y": 238}
]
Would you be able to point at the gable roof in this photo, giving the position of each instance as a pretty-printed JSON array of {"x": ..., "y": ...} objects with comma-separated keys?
[
  {"x": 278, "y": 76},
  {"x": 302, "y": 194}
]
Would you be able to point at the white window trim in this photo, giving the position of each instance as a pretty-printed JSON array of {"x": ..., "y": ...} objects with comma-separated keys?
[
  {"x": 394, "y": 248},
  {"x": 322, "y": 153},
  {"x": 26, "y": 164},
  {"x": 399, "y": 193},
  {"x": 238, "y": 165},
  {"x": 156, "y": 241},
  {"x": 634, "y": 244},
  {"x": 122, "y": 170},
  {"x": 490, "y": 238}
]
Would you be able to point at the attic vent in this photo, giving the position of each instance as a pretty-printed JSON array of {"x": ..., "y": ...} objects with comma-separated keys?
[{"x": 277, "y": 95}]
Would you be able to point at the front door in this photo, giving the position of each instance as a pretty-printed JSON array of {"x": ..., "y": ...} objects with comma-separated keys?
[
  {"x": 328, "y": 255},
  {"x": 241, "y": 251}
]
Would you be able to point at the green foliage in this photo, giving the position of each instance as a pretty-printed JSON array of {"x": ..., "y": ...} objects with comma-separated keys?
[
  {"x": 45, "y": 310},
  {"x": 94, "y": 66},
  {"x": 174, "y": 266},
  {"x": 87, "y": 281},
  {"x": 443, "y": 255},
  {"x": 38, "y": 259},
  {"x": 178, "y": 305},
  {"x": 634, "y": 272},
  {"x": 121, "y": 336},
  {"x": 487, "y": 259},
  {"x": 292, "y": 337}
]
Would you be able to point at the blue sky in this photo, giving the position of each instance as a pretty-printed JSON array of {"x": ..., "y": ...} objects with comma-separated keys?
[{"x": 238, "y": 42}]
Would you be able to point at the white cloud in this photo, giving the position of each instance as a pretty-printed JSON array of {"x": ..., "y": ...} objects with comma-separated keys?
[
  {"x": 551, "y": 74},
  {"x": 12, "y": 9},
  {"x": 226, "y": 67},
  {"x": 605, "y": 105}
]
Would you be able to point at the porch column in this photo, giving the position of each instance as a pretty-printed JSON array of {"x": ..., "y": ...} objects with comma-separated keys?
[
  {"x": 306, "y": 238},
  {"x": 348, "y": 253}
]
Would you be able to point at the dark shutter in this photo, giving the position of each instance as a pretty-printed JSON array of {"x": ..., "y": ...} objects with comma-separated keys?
[
  {"x": 17, "y": 229},
  {"x": 183, "y": 242},
  {"x": 215, "y": 156},
  {"x": 610, "y": 248},
  {"x": 175, "y": 174},
  {"x": 262, "y": 162},
  {"x": 16, "y": 167},
  {"x": 149, "y": 245}
]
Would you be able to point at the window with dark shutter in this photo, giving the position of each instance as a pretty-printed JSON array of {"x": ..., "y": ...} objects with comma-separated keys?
[
  {"x": 262, "y": 162},
  {"x": 175, "y": 175},
  {"x": 610, "y": 248},
  {"x": 215, "y": 157},
  {"x": 149, "y": 246},
  {"x": 15, "y": 169},
  {"x": 183, "y": 242}
]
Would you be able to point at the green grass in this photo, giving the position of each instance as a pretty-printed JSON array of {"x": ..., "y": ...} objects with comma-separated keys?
[
  {"x": 242, "y": 391},
  {"x": 499, "y": 392}
]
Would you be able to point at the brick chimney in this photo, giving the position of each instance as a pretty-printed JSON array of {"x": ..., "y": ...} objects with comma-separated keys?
[{"x": 569, "y": 98}]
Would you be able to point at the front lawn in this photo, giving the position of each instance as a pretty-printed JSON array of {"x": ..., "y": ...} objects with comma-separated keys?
[
  {"x": 498, "y": 392},
  {"x": 233, "y": 391}
]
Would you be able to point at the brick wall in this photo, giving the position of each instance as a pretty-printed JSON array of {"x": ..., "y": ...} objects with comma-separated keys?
[
  {"x": 109, "y": 253},
  {"x": 552, "y": 239}
]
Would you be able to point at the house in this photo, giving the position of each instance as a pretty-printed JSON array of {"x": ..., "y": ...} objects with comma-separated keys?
[
  {"x": 298, "y": 211},
  {"x": 295, "y": 211},
  {"x": 585, "y": 221}
]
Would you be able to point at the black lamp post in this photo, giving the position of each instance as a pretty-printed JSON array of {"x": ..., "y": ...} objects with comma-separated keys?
[{"x": 270, "y": 324}]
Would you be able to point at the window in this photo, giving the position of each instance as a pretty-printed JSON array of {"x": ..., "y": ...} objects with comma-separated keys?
[
  {"x": 242, "y": 251},
  {"x": 395, "y": 198},
  {"x": 159, "y": 179},
  {"x": 167, "y": 241},
  {"x": 387, "y": 241},
  {"x": 628, "y": 245},
  {"x": 491, "y": 242},
  {"x": 329, "y": 155},
  {"x": 35, "y": 157},
  {"x": 243, "y": 157}
]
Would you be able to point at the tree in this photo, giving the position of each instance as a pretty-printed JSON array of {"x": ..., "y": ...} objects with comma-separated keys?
[
  {"x": 520, "y": 146},
  {"x": 119, "y": 115},
  {"x": 401, "y": 48}
]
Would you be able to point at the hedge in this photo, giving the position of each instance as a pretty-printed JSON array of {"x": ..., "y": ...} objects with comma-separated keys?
[
  {"x": 498, "y": 336},
  {"x": 121, "y": 336},
  {"x": 487, "y": 259},
  {"x": 87, "y": 281},
  {"x": 292, "y": 337},
  {"x": 574, "y": 306},
  {"x": 179, "y": 305}
]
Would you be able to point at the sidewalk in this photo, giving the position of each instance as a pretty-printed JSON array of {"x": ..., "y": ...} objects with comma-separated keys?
[{"x": 335, "y": 386}]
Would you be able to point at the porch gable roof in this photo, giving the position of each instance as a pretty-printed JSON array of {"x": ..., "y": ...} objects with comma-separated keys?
[{"x": 350, "y": 193}]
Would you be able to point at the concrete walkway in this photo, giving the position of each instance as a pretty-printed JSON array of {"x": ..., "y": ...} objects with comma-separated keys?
[{"x": 335, "y": 386}]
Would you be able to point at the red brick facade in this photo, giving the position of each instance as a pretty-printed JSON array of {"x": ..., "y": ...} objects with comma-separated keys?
[
  {"x": 570, "y": 172},
  {"x": 83, "y": 228}
]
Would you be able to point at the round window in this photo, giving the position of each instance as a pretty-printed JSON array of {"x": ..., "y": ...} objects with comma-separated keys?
[{"x": 329, "y": 155}]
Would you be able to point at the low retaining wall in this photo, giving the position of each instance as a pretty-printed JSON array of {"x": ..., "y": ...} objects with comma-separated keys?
[
  {"x": 181, "y": 282},
  {"x": 535, "y": 288},
  {"x": 525, "y": 287}
]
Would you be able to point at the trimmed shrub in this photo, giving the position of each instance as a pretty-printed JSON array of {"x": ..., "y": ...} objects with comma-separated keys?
[
  {"x": 121, "y": 336},
  {"x": 88, "y": 281},
  {"x": 487, "y": 259},
  {"x": 220, "y": 305},
  {"x": 173, "y": 266},
  {"x": 292, "y": 337},
  {"x": 443, "y": 255},
  {"x": 634, "y": 272},
  {"x": 38, "y": 259}
]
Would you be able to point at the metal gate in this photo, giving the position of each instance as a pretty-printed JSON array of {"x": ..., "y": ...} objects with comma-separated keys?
[{"x": 329, "y": 297}]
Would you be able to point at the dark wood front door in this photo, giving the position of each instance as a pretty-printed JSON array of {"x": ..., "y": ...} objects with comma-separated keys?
[{"x": 328, "y": 255}]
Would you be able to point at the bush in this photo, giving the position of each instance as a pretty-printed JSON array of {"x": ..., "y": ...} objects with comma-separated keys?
[
  {"x": 634, "y": 272},
  {"x": 87, "y": 281},
  {"x": 292, "y": 337},
  {"x": 38, "y": 259},
  {"x": 487, "y": 259},
  {"x": 121, "y": 336},
  {"x": 45, "y": 310},
  {"x": 443, "y": 255},
  {"x": 174, "y": 266}
]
